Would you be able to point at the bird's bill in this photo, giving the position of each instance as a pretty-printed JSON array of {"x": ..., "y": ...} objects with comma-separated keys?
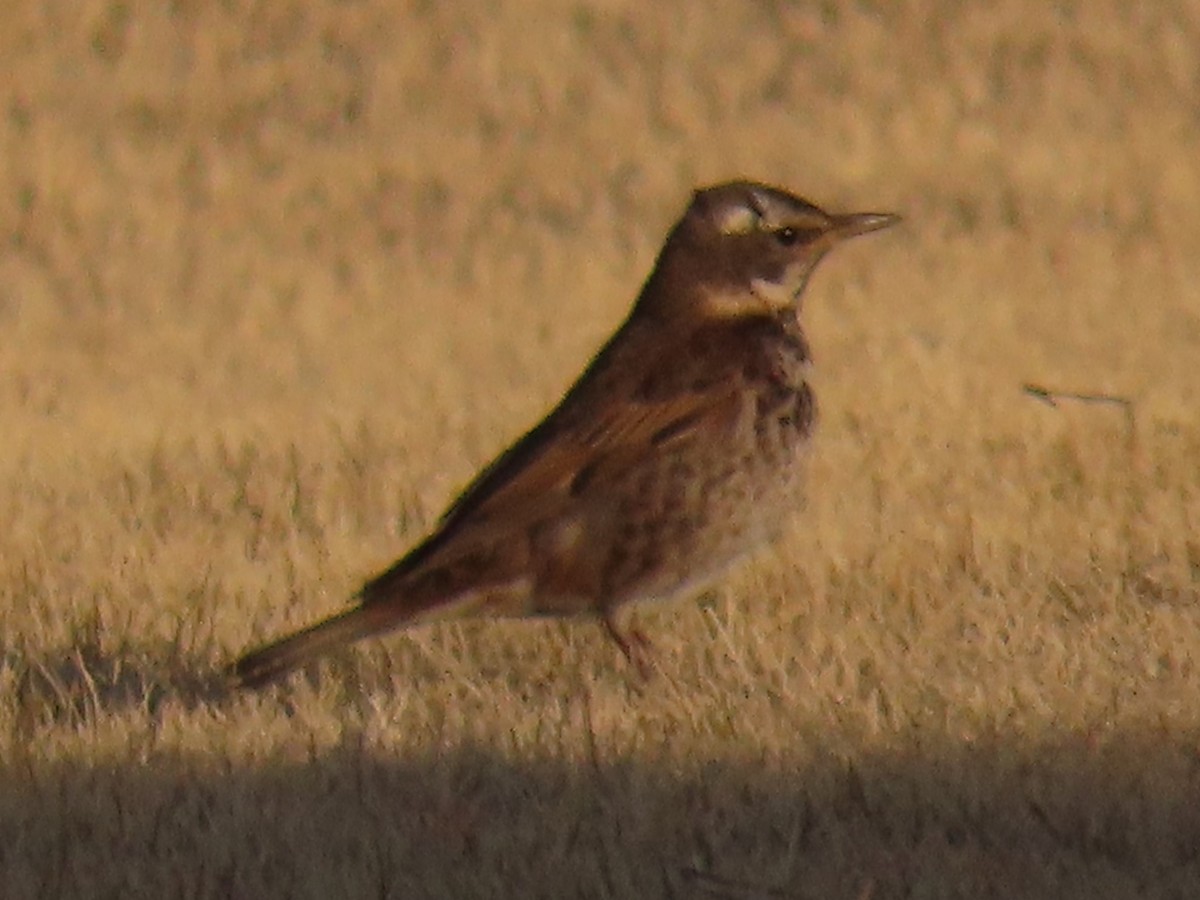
[{"x": 854, "y": 224}]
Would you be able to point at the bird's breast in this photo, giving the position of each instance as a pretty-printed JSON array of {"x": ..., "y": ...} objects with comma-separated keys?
[{"x": 785, "y": 406}]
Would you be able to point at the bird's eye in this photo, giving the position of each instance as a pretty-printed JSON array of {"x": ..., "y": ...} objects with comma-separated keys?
[{"x": 787, "y": 235}]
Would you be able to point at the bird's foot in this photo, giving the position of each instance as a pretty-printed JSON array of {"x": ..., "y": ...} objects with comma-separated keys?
[{"x": 635, "y": 646}]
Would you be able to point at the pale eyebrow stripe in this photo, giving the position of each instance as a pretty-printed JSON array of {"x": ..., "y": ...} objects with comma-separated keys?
[
  {"x": 756, "y": 205},
  {"x": 739, "y": 220}
]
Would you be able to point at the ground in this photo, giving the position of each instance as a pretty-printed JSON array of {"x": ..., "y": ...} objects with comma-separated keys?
[{"x": 277, "y": 278}]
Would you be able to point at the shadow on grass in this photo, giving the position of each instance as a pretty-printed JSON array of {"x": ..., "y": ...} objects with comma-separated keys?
[
  {"x": 1108, "y": 815},
  {"x": 76, "y": 685}
]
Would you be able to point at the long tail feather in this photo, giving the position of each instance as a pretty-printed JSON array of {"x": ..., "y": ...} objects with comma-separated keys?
[
  {"x": 265, "y": 664},
  {"x": 376, "y": 613}
]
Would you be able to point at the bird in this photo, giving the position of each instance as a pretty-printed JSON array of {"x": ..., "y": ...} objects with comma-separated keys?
[{"x": 679, "y": 451}]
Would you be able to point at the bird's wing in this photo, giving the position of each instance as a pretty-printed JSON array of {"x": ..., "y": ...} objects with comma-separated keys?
[
  {"x": 576, "y": 450},
  {"x": 607, "y": 423},
  {"x": 557, "y": 460}
]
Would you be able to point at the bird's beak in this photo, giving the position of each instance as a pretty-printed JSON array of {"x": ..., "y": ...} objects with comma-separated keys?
[{"x": 854, "y": 224}]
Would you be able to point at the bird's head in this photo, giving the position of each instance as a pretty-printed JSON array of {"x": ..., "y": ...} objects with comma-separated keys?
[{"x": 746, "y": 249}]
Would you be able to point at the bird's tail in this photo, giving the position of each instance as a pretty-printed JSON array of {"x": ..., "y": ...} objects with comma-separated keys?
[
  {"x": 390, "y": 601},
  {"x": 279, "y": 657}
]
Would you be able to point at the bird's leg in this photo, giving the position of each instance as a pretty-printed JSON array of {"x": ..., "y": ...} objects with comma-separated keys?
[{"x": 634, "y": 645}]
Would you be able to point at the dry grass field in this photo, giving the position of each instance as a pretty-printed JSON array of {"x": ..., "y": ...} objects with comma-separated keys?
[{"x": 277, "y": 277}]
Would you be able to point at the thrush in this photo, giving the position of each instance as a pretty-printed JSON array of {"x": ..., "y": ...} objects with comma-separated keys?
[{"x": 677, "y": 452}]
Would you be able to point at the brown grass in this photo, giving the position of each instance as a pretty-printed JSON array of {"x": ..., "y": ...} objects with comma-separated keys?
[{"x": 276, "y": 279}]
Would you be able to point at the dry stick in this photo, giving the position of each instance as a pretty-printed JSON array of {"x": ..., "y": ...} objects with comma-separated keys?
[{"x": 1129, "y": 412}]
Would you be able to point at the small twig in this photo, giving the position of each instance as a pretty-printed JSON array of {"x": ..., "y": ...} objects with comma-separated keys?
[
  {"x": 1128, "y": 409},
  {"x": 1052, "y": 397},
  {"x": 1125, "y": 404}
]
